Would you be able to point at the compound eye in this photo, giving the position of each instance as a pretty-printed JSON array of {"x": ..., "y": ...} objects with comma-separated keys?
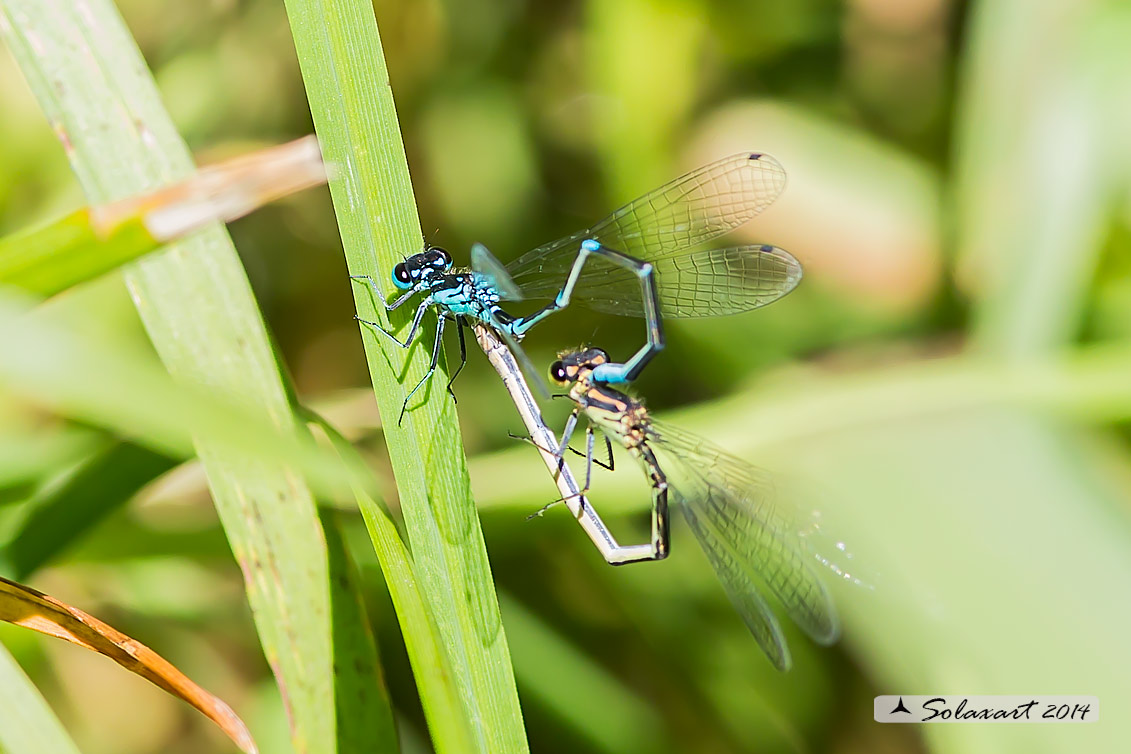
[
  {"x": 401, "y": 276},
  {"x": 558, "y": 372},
  {"x": 443, "y": 258}
]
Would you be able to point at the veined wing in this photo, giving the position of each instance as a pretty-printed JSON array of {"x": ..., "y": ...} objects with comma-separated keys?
[
  {"x": 750, "y": 537},
  {"x": 732, "y": 574},
  {"x": 491, "y": 271},
  {"x": 703, "y": 283},
  {"x": 685, "y": 213}
]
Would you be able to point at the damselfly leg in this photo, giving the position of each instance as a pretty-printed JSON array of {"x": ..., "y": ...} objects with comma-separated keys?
[
  {"x": 436, "y": 348},
  {"x": 649, "y": 297},
  {"x": 390, "y": 306},
  {"x": 461, "y": 324},
  {"x": 645, "y": 273},
  {"x": 412, "y": 333},
  {"x": 661, "y": 528},
  {"x": 607, "y": 464}
]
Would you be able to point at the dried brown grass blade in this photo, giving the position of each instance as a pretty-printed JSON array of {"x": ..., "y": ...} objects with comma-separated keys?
[{"x": 40, "y": 612}]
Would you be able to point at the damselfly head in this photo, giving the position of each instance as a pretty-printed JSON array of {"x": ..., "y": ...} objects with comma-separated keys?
[
  {"x": 571, "y": 364},
  {"x": 411, "y": 271}
]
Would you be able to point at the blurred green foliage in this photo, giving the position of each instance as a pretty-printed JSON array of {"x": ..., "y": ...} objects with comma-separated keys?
[{"x": 958, "y": 188}]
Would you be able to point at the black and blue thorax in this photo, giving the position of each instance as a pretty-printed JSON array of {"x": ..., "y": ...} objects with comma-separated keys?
[{"x": 458, "y": 293}]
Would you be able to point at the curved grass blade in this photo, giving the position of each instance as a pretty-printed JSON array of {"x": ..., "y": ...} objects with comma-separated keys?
[
  {"x": 27, "y": 457},
  {"x": 450, "y": 728},
  {"x": 196, "y": 304},
  {"x": 65, "y": 513},
  {"x": 32, "y": 609}
]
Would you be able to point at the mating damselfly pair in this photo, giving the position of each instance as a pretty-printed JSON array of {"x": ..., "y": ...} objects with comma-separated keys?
[{"x": 646, "y": 260}]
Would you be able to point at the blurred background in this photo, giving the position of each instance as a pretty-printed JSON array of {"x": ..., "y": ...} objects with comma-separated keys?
[{"x": 957, "y": 194}]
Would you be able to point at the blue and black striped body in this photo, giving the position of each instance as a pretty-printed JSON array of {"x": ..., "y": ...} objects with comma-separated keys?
[{"x": 461, "y": 292}]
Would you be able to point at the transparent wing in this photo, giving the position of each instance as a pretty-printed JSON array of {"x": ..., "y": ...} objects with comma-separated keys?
[
  {"x": 751, "y": 538},
  {"x": 523, "y": 360},
  {"x": 836, "y": 556},
  {"x": 685, "y": 213},
  {"x": 730, "y": 569},
  {"x": 703, "y": 283},
  {"x": 491, "y": 271}
]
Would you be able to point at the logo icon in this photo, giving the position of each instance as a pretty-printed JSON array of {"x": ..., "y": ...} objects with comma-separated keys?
[{"x": 954, "y": 708}]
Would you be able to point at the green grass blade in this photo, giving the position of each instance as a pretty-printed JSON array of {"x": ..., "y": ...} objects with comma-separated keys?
[
  {"x": 364, "y": 712},
  {"x": 451, "y": 731},
  {"x": 26, "y": 457},
  {"x": 27, "y": 724},
  {"x": 354, "y": 115},
  {"x": 447, "y": 718},
  {"x": 66, "y": 512},
  {"x": 588, "y": 698},
  {"x": 93, "y": 241},
  {"x": 100, "y": 382},
  {"x": 195, "y": 302},
  {"x": 69, "y": 251}
]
